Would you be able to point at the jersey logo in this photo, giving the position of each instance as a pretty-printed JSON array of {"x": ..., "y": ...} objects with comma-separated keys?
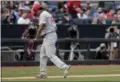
[{"x": 52, "y": 20}]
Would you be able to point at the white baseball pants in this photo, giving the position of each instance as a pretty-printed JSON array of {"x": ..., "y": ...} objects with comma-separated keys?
[{"x": 48, "y": 50}]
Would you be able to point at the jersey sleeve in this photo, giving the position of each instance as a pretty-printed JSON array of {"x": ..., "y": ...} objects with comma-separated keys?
[{"x": 42, "y": 19}]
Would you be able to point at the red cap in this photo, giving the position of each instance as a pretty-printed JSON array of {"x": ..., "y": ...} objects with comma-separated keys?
[{"x": 36, "y": 6}]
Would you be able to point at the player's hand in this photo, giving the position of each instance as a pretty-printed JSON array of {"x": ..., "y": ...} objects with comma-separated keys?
[
  {"x": 31, "y": 23},
  {"x": 33, "y": 39}
]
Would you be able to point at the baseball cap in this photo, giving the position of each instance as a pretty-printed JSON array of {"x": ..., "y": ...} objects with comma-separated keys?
[
  {"x": 36, "y": 6},
  {"x": 26, "y": 9}
]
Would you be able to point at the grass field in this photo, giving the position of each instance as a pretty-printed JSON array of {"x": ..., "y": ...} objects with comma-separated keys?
[{"x": 105, "y": 73}]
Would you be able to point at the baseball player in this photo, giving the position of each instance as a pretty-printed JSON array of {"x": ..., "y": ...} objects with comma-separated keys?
[{"x": 47, "y": 28}]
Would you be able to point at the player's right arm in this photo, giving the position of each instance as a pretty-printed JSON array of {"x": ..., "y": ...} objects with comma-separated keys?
[
  {"x": 42, "y": 22},
  {"x": 39, "y": 30}
]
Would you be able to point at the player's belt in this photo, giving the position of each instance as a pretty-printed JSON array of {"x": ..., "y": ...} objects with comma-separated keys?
[
  {"x": 47, "y": 33},
  {"x": 50, "y": 32}
]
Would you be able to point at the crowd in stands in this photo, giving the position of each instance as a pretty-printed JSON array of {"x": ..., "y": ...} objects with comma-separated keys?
[
  {"x": 67, "y": 12},
  {"x": 81, "y": 12}
]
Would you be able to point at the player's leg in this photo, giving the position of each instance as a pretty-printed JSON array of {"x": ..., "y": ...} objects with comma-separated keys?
[
  {"x": 50, "y": 49},
  {"x": 50, "y": 52},
  {"x": 43, "y": 63}
]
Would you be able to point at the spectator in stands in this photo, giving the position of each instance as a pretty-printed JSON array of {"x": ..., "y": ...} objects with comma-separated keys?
[
  {"x": 83, "y": 13},
  {"x": 72, "y": 5},
  {"x": 94, "y": 21},
  {"x": 21, "y": 8},
  {"x": 100, "y": 20},
  {"x": 45, "y": 4},
  {"x": 80, "y": 13},
  {"x": 52, "y": 6},
  {"x": 110, "y": 14},
  {"x": 20, "y": 11},
  {"x": 87, "y": 5},
  {"x": 87, "y": 13},
  {"x": 61, "y": 8},
  {"x": 10, "y": 17},
  {"x": 24, "y": 18},
  {"x": 16, "y": 13},
  {"x": 58, "y": 13},
  {"x": 4, "y": 12},
  {"x": 23, "y": 4},
  {"x": 67, "y": 19},
  {"x": 11, "y": 5},
  {"x": 96, "y": 14},
  {"x": 14, "y": 7},
  {"x": 118, "y": 16}
]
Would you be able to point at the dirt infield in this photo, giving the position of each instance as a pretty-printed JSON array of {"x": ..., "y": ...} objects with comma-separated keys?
[{"x": 70, "y": 76}]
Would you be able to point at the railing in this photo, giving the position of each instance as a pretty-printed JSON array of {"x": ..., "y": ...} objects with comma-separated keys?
[
  {"x": 63, "y": 40},
  {"x": 81, "y": 40}
]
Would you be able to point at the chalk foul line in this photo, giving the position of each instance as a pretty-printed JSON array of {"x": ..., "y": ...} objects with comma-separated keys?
[{"x": 69, "y": 76}]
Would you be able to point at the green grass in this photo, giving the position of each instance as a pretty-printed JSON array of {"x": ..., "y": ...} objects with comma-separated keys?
[
  {"x": 33, "y": 71},
  {"x": 103, "y": 79}
]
